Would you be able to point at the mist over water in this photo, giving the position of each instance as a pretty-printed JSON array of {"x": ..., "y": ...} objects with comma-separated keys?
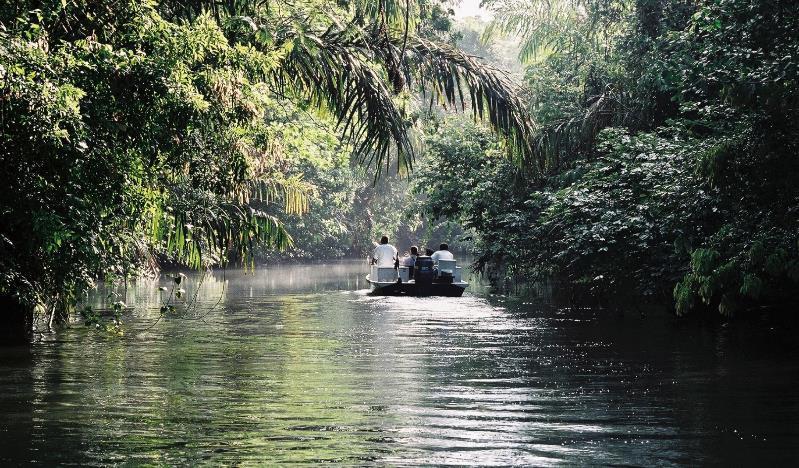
[{"x": 300, "y": 364}]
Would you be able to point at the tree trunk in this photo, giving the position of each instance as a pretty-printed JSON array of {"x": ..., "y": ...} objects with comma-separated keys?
[{"x": 16, "y": 322}]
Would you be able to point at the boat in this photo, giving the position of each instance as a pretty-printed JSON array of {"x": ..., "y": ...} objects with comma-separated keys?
[{"x": 424, "y": 279}]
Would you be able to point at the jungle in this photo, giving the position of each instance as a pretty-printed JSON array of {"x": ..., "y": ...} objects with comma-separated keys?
[{"x": 638, "y": 147}]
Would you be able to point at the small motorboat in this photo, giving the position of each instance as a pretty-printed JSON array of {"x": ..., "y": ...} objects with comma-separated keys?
[{"x": 425, "y": 279}]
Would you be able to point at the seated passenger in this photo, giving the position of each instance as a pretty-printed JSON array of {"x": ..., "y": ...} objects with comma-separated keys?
[
  {"x": 410, "y": 260},
  {"x": 442, "y": 253},
  {"x": 384, "y": 255}
]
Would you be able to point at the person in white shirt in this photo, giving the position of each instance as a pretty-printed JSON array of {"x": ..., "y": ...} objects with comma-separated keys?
[
  {"x": 442, "y": 253},
  {"x": 384, "y": 255}
]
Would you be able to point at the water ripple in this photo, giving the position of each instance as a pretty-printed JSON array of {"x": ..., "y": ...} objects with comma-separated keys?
[{"x": 290, "y": 365}]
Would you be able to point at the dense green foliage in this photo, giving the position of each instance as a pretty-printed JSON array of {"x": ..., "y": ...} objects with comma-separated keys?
[
  {"x": 653, "y": 150},
  {"x": 138, "y": 132},
  {"x": 121, "y": 148},
  {"x": 668, "y": 138}
]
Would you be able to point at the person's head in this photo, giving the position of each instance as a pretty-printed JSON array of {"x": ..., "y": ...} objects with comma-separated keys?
[
  {"x": 428, "y": 252},
  {"x": 384, "y": 240},
  {"x": 414, "y": 250},
  {"x": 443, "y": 246}
]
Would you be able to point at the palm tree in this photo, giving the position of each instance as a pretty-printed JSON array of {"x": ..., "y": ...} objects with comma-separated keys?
[{"x": 358, "y": 67}]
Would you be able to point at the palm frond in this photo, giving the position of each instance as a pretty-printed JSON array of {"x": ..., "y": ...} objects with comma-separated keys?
[
  {"x": 448, "y": 71},
  {"x": 346, "y": 70},
  {"x": 293, "y": 192},
  {"x": 333, "y": 70},
  {"x": 560, "y": 26},
  {"x": 200, "y": 230},
  {"x": 563, "y": 139},
  {"x": 391, "y": 13}
]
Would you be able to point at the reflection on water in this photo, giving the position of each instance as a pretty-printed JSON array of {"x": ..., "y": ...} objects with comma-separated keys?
[{"x": 299, "y": 364}]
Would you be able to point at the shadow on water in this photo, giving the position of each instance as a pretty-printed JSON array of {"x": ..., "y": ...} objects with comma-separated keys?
[{"x": 300, "y": 364}]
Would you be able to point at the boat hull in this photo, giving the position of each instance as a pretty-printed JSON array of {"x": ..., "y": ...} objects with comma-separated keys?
[{"x": 412, "y": 289}]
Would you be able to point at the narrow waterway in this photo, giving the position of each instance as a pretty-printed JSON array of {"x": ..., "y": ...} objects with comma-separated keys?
[{"x": 300, "y": 364}]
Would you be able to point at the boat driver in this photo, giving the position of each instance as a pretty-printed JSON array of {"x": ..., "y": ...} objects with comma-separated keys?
[{"x": 384, "y": 255}]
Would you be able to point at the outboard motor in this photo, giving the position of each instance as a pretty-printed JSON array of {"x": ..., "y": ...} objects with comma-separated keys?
[{"x": 423, "y": 274}]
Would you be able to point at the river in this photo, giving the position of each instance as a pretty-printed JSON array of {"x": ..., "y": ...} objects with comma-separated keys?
[{"x": 300, "y": 364}]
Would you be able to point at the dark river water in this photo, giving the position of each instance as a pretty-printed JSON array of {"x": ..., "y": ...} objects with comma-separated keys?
[{"x": 300, "y": 364}]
